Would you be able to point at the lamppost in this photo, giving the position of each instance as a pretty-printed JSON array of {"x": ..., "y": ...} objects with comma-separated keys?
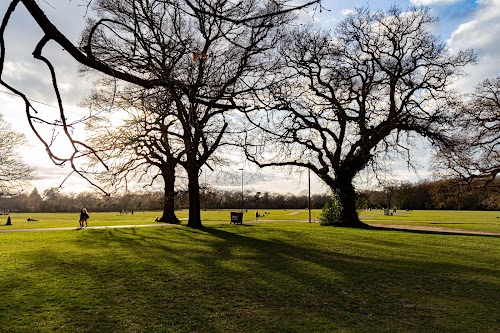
[
  {"x": 309, "y": 194},
  {"x": 241, "y": 169}
]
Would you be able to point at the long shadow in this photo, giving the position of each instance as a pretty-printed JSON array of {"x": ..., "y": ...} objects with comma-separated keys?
[
  {"x": 231, "y": 278},
  {"x": 468, "y": 223},
  {"x": 433, "y": 232}
]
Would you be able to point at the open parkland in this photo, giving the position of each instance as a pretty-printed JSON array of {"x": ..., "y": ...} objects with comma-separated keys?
[{"x": 414, "y": 271}]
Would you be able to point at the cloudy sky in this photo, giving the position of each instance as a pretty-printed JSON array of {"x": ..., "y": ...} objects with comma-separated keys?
[{"x": 462, "y": 24}]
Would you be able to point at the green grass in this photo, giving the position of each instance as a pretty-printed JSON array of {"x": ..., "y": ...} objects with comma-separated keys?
[
  {"x": 466, "y": 220},
  {"x": 62, "y": 220},
  {"x": 269, "y": 277},
  {"x": 454, "y": 219}
]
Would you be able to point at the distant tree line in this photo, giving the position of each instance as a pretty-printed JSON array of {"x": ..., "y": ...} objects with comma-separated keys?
[
  {"x": 441, "y": 194},
  {"x": 53, "y": 200}
]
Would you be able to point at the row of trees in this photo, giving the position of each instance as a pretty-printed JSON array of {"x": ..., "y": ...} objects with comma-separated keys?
[
  {"x": 441, "y": 194},
  {"x": 53, "y": 200},
  {"x": 189, "y": 79},
  {"x": 423, "y": 195}
]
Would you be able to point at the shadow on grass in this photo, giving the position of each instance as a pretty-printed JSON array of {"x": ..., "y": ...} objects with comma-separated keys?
[
  {"x": 449, "y": 232},
  {"x": 244, "y": 279}
]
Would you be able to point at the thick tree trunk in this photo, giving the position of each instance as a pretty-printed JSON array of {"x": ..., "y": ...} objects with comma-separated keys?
[
  {"x": 347, "y": 197},
  {"x": 194, "y": 198},
  {"x": 169, "y": 199}
]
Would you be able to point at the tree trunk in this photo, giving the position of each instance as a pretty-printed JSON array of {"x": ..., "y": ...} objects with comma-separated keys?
[
  {"x": 194, "y": 198},
  {"x": 347, "y": 197},
  {"x": 169, "y": 197}
]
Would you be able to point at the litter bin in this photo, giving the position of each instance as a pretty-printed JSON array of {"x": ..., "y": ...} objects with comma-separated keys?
[{"x": 236, "y": 217}]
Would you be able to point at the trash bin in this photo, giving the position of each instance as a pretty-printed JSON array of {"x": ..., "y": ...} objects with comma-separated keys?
[{"x": 236, "y": 217}]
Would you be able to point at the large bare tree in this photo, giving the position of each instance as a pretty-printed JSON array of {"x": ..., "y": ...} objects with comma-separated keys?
[
  {"x": 210, "y": 62},
  {"x": 14, "y": 172},
  {"x": 142, "y": 144},
  {"x": 356, "y": 97}
]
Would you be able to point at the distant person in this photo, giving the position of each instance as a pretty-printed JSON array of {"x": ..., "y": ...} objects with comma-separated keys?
[
  {"x": 84, "y": 216},
  {"x": 257, "y": 215}
]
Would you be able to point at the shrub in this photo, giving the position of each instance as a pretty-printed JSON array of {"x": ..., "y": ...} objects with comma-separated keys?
[{"x": 331, "y": 213}]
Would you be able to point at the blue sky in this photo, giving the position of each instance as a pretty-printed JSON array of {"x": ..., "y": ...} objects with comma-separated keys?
[{"x": 462, "y": 24}]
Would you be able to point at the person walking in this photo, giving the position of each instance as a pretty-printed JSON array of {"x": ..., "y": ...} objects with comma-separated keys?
[{"x": 84, "y": 216}]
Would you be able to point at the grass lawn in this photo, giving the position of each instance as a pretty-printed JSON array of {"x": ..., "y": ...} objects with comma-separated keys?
[
  {"x": 467, "y": 220},
  {"x": 269, "y": 277},
  {"x": 62, "y": 220},
  {"x": 53, "y": 220}
]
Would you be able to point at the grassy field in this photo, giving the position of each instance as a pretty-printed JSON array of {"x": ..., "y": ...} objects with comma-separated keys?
[
  {"x": 259, "y": 277},
  {"x": 53, "y": 220},
  {"x": 466, "y": 220}
]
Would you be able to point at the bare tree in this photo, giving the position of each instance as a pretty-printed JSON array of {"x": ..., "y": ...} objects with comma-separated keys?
[
  {"x": 142, "y": 147},
  {"x": 209, "y": 62},
  {"x": 14, "y": 172},
  {"x": 356, "y": 98},
  {"x": 476, "y": 156}
]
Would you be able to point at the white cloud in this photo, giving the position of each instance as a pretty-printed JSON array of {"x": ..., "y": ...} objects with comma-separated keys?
[
  {"x": 433, "y": 2},
  {"x": 481, "y": 34},
  {"x": 346, "y": 12}
]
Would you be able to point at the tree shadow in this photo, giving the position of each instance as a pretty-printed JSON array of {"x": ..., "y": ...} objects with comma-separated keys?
[
  {"x": 232, "y": 278},
  {"x": 450, "y": 232}
]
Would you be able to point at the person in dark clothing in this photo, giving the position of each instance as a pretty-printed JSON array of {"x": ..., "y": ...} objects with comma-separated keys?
[{"x": 84, "y": 216}]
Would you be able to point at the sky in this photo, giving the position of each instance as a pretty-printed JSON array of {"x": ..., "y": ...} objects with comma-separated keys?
[{"x": 462, "y": 24}]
